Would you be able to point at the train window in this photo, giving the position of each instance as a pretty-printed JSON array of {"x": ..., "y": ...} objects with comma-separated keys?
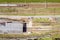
[
  {"x": 3, "y": 23},
  {"x": 9, "y": 22}
]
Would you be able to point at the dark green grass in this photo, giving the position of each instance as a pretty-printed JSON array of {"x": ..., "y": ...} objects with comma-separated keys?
[{"x": 27, "y": 1}]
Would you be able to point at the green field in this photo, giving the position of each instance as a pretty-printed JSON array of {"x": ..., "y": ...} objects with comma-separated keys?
[
  {"x": 29, "y": 12},
  {"x": 23, "y": 1},
  {"x": 41, "y": 20}
]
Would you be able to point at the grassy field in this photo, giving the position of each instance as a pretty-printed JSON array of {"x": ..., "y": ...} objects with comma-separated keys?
[
  {"x": 46, "y": 38},
  {"x": 27, "y": 1},
  {"x": 19, "y": 35},
  {"x": 29, "y": 12},
  {"x": 41, "y": 20}
]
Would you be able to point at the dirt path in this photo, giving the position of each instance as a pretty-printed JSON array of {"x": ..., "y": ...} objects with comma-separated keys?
[
  {"x": 34, "y": 5},
  {"x": 43, "y": 5}
]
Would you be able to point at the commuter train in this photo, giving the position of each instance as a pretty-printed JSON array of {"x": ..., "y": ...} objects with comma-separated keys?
[{"x": 8, "y": 26}]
